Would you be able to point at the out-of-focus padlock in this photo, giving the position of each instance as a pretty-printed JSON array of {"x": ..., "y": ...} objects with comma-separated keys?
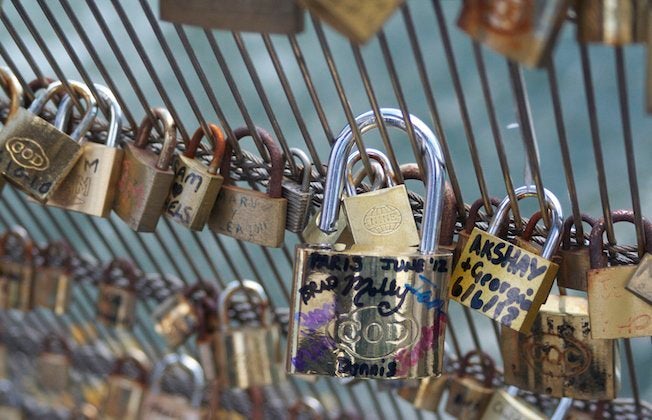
[
  {"x": 34, "y": 155},
  {"x": 10, "y": 402},
  {"x": 612, "y": 22},
  {"x": 116, "y": 302},
  {"x": 425, "y": 394},
  {"x": 505, "y": 404},
  {"x": 499, "y": 279},
  {"x": 146, "y": 178},
  {"x": 375, "y": 315},
  {"x": 126, "y": 388},
  {"x": 16, "y": 269},
  {"x": 160, "y": 405},
  {"x": 196, "y": 186},
  {"x": 54, "y": 364},
  {"x": 522, "y": 30},
  {"x": 249, "y": 215},
  {"x": 298, "y": 195},
  {"x": 574, "y": 257},
  {"x": 52, "y": 279},
  {"x": 467, "y": 397},
  {"x": 307, "y": 408},
  {"x": 265, "y": 16},
  {"x": 614, "y": 311},
  {"x": 471, "y": 219},
  {"x": 90, "y": 186}
]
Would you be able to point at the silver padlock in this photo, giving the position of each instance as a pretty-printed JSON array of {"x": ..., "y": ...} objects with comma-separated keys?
[{"x": 299, "y": 196}]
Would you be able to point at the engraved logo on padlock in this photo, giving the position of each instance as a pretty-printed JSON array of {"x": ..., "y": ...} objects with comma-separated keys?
[{"x": 27, "y": 153}]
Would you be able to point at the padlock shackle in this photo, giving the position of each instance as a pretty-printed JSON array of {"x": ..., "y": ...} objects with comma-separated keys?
[
  {"x": 18, "y": 232},
  {"x": 306, "y": 405},
  {"x": 411, "y": 171},
  {"x": 218, "y": 142},
  {"x": 531, "y": 225},
  {"x": 377, "y": 156},
  {"x": 57, "y": 253},
  {"x": 474, "y": 213},
  {"x": 379, "y": 177},
  {"x": 249, "y": 287},
  {"x": 121, "y": 363},
  {"x": 127, "y": 270},
  {"x": 597, "y": 257},
  {"x": 487, "y": 363},
  {"x": 14, "y": 90},
  {"x": 307, "y": 165},
  {"x": 185, "y": 361},
  {"x": 169, "y": 136},
  {"x": 551, "y": 245},
  {"x": 568, "y": 225},
  {"x": 51, "y": 340}
]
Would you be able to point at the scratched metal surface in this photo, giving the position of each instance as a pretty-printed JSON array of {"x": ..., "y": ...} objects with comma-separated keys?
[{"x": 584, "y": 113}]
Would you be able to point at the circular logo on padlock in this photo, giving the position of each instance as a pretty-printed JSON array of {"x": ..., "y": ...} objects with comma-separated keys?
[
  {"x": 557, "y": 356},
  {"x": 27, "y": 153},
  {"x": 382, "y": 219}
]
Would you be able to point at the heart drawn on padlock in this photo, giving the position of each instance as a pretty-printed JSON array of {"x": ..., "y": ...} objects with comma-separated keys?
[{"x": 176, "y": 189}]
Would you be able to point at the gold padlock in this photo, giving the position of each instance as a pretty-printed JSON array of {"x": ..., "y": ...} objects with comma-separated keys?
[
  {"x": 611, "y": 22},
  {"x": 53, "y": 278},
  {"x": 14, "y": 90},
  {"x": 640, "y": 283},
  {"x": 372, "y": 314},
  {"x": 116, "y": 301},
  {"x": 34, "y": 155},
  {"x": 614, "y": 311},
  {"x": 467, "y": 397},
  {"x": 574, "y": 257},
  {"x": 505, "y": 404},
  {"x": 425, "y": 394},
  {"x": 16, "y": 269},
  {"x": 54, "y": 364},
  {"x": 501, "y": 280},
  {"x": 146, "y": 178},
  {"x": 471, "y": 219},
  {"x": 127, "y": 384},
  {"x": 90, "y": 186},
  {"x": 195, "y": 186},
  {"x": 250, "y": 215}
]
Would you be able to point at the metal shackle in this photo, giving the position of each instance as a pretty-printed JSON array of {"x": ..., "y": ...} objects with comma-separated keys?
[
  {"x": 249, "y": 287},
  {"x": 377, "y": 156},
  {"x": 557, "y": 219},
  {"x": 434, "y": 173},
  {"x": 14, "y": 90},
  {"x": 295, "y": 152},
  {"x": 187, "y": 362}
]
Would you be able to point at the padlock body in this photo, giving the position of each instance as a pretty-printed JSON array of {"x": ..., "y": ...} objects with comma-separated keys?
[
  {"x": 51, "y": 289},
  {"x": 298, "y": 207},
  {"x": 508, "y": 407},
  {"x": 612, "y": 22},
  {"x": 175, "y": 320},
  {"x": 523, "y": 30},
  {"x": 116, "y": 307},
  {"x": 4, "y": 371},
  {"x": 169, "y": 407},
  {"x": 640, "y": 283},
  {"x": 123, "y": 400},
  {"x": 574, "y": 265},
  {"x": 341, "y": 236},
  {"x": 382, "y": 218},
  {"x": 426, "y": 394},
  {"x": 90, "y": 187},
  {"x": 264, "y": 16},
  {"x": 15, "y": 285},
  {"x": 53, "y": 371},
  {"x": 501, "y": 281},
  {"x": 250, "y": 216},
  {"x": 367, "y": 314},
  {"x": 193, "y": 193},
  {"x": 35, "y": 156},
  {"x": 11, "y": 412},
  {"x": 467, "y": 398},
  {"x": 559, "y": 357}
]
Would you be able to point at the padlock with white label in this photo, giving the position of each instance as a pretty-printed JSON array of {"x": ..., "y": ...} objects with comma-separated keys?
[{"x": 16, "y": 269}]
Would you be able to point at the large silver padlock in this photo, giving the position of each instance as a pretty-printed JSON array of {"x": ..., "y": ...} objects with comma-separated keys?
[{"x": 299, "y": 196}]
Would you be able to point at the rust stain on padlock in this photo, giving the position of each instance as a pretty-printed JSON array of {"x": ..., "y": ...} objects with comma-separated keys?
[{"x": 27, "y": 153}]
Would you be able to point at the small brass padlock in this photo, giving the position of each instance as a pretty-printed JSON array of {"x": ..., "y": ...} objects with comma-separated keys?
[
  {"x": 467, "y": 397},
  {"x": 116, "y": 302},
  {"x": 34, "y": 155},
  {"x": 374, "y": 315},
  {"x": 54, "y": 364},
  {"x": 501, "y": 280},
  {"x": 127, "y": 384},
  {"x": 614, "y": 311},
  {"x": 90, "y": 186},
  {"x": 425, "y": 394},
  {"x": 160, "y": 405},
  {"x": 298, "y": 195},
  {"x": 16, "y": 269},
  {"x": 505, "y": 404},
  {"x": 250, "y": 215},
  {"x": 574, "y": 257},
  {"x": 14, "y": 90},
  {"x": 471, "y": 219},
  {"x": 146, "y": 178},
  {"x": 53, "y": 278},
  {"x": 611, "y": 22}
]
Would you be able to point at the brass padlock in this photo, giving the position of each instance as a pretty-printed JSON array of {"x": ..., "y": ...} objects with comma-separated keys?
[
  {"x": 16, "y": 269},
  {"x": 265, "y": 16},
  {"x": 505, "y": 404},
  {"x": 146, "y": 178},
  {"x": 307, "y": 407},
  {"x": 558, "y": 357},
  {"x": 195, "y": 186},
  {"x": 425, "y": 394},
  {"x": 14, "y": 90},
  {"x": 522, "y": 30},
  {"x": 611, "y": 22},
  {"x": 116, "y": 301},
  {"x": 614, "y": 311},
  {"x": 640, "y": 283},
  {"x": 160, "y": 405},
  {"x": 90, "y": 186},
  {"x": 574, "y": 257},
  {"x": 357, "y": 20},
  {"x": 379, "y": 315},
  {"x": 467, "y": 397},
  {"x": 54, "y": 364},
  {"x": 298, "y": 195},
  {"x": 34, "y": 155},
  {"x": 53, "y": 278},
  {"x": 471, "y": 219},
  {"x": 499, "y": 279},
  {"x": 250, "y": 215},
  {"x": 127, "y": 384}
]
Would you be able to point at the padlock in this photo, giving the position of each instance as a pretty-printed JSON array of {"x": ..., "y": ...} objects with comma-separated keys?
[
  {"x": 14, "y": 90},
  {"x": 357, "y": 20},
  {"x": 505, "y": 404},
  {"x": 558, "y": 357},
  {"x": 574, "y": 257},
  {"x": 196, "y": 186},
  {"x": 499, "y": 279},
  {"x": 379, "y": 315},
  {"x": 160, "y": 405},
  {"x": 90, "y": 186},
  {"x": 127, "y": 384},
  {"x": 298, "y": 195},
  {"x": 307, "y": 407},
  {"x": 85, "y": 411},
  {"x": 250, "y": 215},
  {"x": 16, "y": 269},
  {"x": 467, "y": 397},
  {"x": 146, "y": 178},
  {"x": 34, "y": 155},
  {"x": 425, "y": 394},
  {"x": 611, "y": 22},
  {"x": 246, "y": 355},
  {"x": 116, "y": 301},
  {"x": 614, "y": 311},
  {"x": 522, "y": 30},
  {"x": 54, "y": 364},
  {"x": 471, "y": 219},
  {"x": 10, "y": 402},
  {"x": 640, "y": 283},
  {"x": 53, "y": 278},
  {"x": 264, "y": 16},
  {"x": 524, "y": 240}
]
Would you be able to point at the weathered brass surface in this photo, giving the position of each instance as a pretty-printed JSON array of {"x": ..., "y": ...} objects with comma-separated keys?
[
  {"x": 641, "y": 281},
  {"x": 612, "y": 22},
  {"x": 52, "y": 288},
  {"x": 116, "y": 306},
  {"x": 175, "y": 320},
  {"x": 504, "y": 406},
  {"x": 573, "y": 268},
  {"x": 15, "y": 285},
  {"x": 124, "y": 399},
  {"x": 468, "y": 398},
  {"x": 426, "y": 393}
]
